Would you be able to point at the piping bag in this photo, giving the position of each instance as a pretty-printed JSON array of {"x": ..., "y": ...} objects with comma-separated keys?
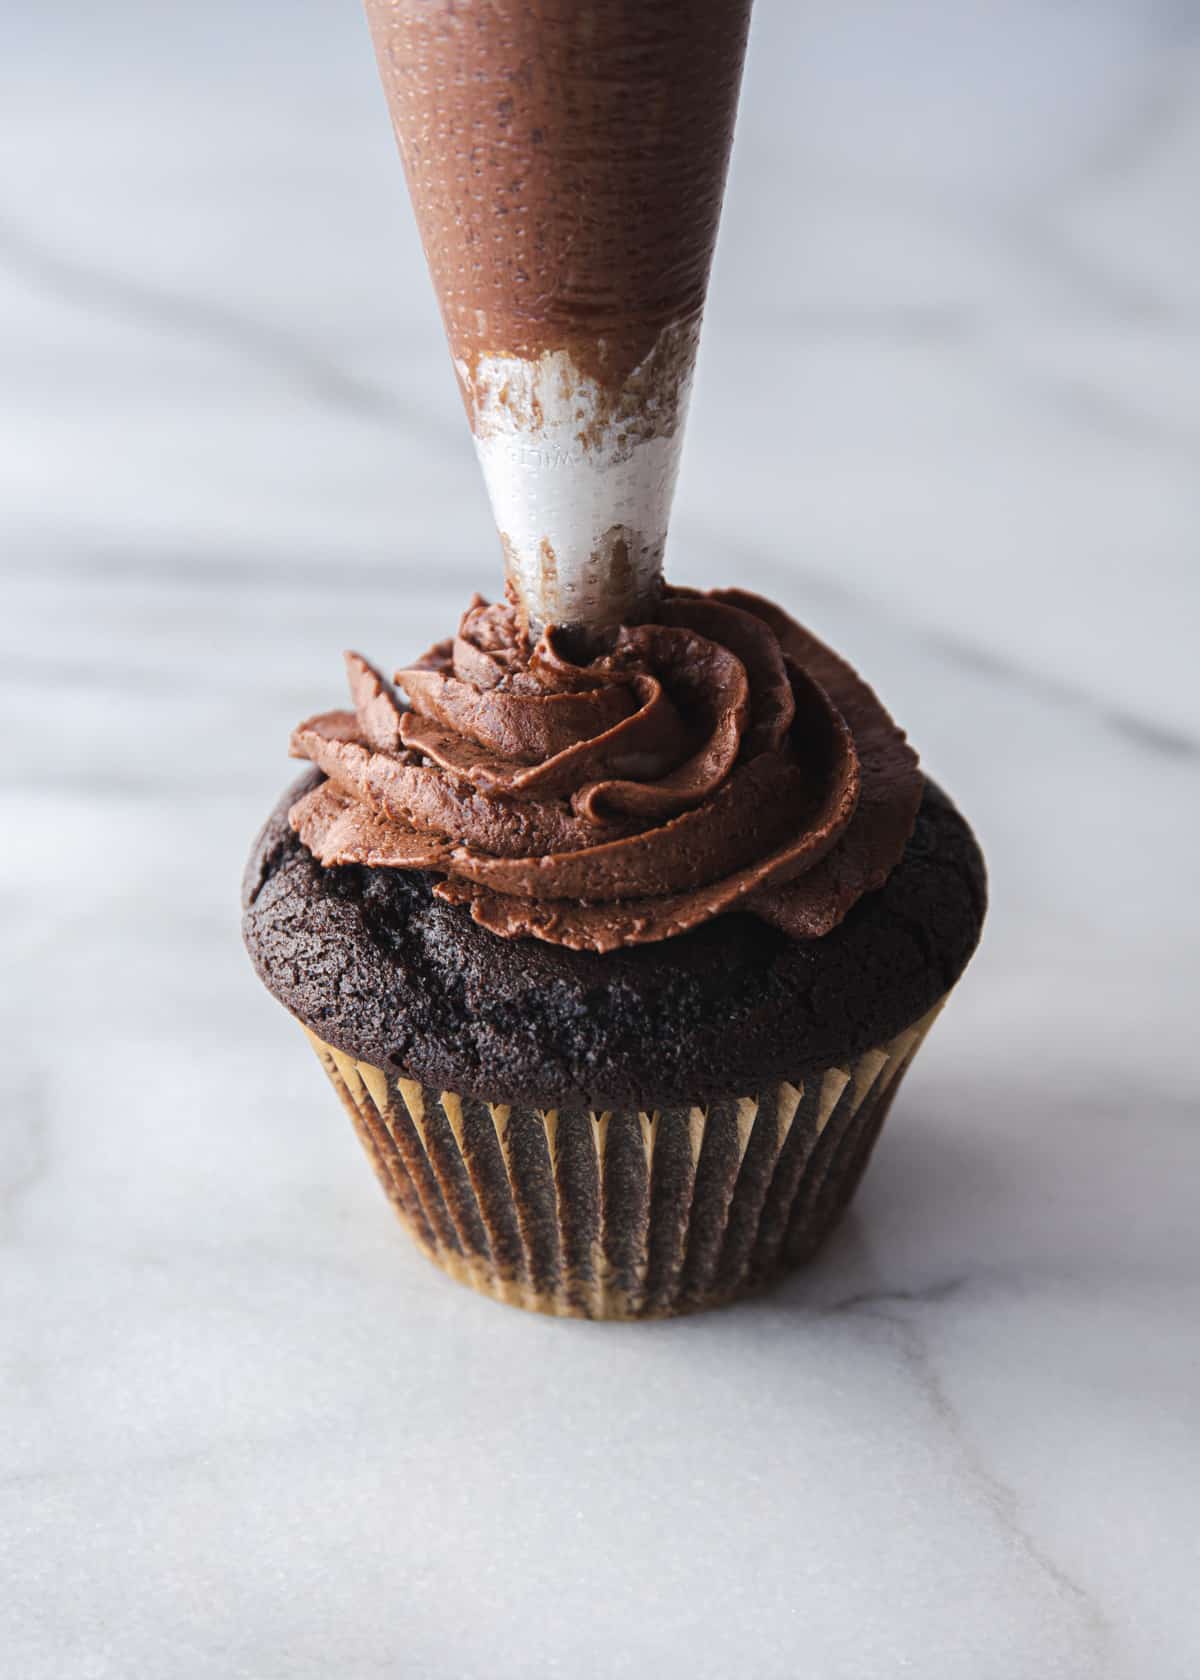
[{"x": 566, "y": 161}]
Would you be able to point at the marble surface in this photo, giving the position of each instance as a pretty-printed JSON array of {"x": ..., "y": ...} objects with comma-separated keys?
[{"x": 947, "y": 410}]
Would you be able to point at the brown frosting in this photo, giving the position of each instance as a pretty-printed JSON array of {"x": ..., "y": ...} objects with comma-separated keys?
[
  {"x": 720, "y": 758},
  {"x": 566, "y": 162}
]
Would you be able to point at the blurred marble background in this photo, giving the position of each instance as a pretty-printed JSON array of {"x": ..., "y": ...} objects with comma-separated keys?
[{"x": 949, "y": 411}]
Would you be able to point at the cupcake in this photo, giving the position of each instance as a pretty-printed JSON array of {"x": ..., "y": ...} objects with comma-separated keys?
[
  {"x": 616, "y": 966},
  {"x": 616, "y": 918}
]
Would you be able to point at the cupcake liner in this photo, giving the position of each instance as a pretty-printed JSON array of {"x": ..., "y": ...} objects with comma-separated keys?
[{"x": 623, "y": 1213}]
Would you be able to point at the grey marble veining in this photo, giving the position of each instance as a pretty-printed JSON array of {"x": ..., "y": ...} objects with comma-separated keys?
[{"x": 948, "y": 411}]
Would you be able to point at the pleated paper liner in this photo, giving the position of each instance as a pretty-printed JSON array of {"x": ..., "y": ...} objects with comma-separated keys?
[{"x": 623, "y": 1214}]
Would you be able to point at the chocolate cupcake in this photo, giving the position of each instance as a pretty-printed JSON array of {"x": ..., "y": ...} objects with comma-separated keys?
[{"x": 617, "y": 962}]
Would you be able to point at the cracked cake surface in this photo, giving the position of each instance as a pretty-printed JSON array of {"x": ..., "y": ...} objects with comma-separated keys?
[{"x": 378, "y": 966}]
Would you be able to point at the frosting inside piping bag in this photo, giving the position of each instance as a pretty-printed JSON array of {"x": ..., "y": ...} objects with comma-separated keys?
[{"x": 720, "y": 758}]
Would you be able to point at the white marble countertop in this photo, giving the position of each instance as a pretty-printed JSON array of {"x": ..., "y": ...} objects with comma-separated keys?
[{"x": 246, "y": 1433}]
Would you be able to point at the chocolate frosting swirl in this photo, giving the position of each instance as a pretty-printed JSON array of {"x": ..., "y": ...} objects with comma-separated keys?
[{"x": 720, "y": 758}]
